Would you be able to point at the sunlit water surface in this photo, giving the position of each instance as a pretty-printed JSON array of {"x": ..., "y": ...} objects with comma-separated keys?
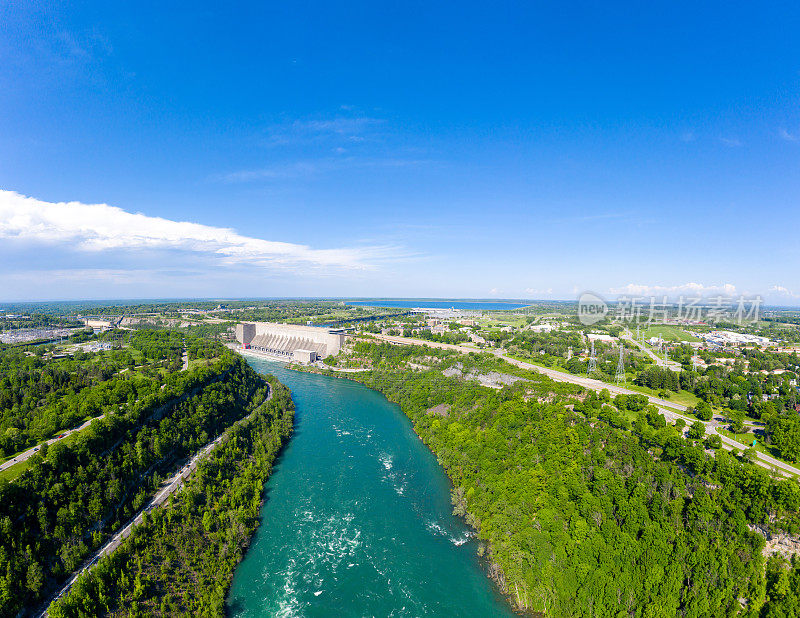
[{"x": 357, "y": 519}]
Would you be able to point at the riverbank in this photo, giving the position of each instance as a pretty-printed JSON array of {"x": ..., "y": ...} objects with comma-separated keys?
[
  {"x": 510, "y": 457},
  {"x": 202, "y": 535},
  {"x": 358, "y": 519},
  {"x": 491, "y": 569}
]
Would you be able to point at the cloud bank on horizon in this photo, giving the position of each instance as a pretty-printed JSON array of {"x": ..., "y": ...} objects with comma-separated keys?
[
  {"x": 100, "y": 227},
  {"x": 83, "y": 245}
]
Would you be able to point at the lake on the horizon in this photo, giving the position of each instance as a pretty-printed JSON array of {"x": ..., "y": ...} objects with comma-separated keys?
[
  {"x": 357, "y": 519},
  {"x": 439, "y": 304}
]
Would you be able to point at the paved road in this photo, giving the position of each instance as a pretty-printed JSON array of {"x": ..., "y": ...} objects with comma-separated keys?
[
  {"x": 169, "y": 487},
  {"x": 670, "y": 409},
  {"x": 33, "y": 450},
  {"x": 555, "y": 374},
  {"x": 659, "y": 361}
]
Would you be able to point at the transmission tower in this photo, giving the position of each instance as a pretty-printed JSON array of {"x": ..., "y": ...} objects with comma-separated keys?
[
  {"x": 620, "y": 375},
  {"x": 695, "y": 364},
  {"x": 592, "y": 362}
]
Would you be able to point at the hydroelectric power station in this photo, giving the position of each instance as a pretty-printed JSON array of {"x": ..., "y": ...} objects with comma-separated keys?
[{"x": 289, "y": 341}]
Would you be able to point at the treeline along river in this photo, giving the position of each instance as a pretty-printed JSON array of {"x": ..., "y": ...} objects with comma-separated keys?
[{"x": 357, "y": 519}]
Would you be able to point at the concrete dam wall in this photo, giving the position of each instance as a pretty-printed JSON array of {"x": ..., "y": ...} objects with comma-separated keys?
[{"x": 283, "y": 340}]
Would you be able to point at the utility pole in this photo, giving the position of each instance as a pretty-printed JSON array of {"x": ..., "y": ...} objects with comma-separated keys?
[
  {"x": 592, "y": 362},
  {"x": 620, "y": 375}
]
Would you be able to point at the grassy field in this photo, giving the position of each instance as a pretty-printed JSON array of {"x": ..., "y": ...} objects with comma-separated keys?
[
  {"x": 683, "y": 397},
  {"x": 12, "y": 472},
  {"x": 668, "y": 333},
  {"x": 199, "y": 362},
  {"x": 498, "y": 321},
  {"x": 747, "y": 440},
  {"x": 65, "y": 440}
]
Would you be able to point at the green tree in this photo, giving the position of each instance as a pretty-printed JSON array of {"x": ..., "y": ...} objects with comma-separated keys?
[
  {"x": 34, "y": 578},
  {"x": 696, "y": 431}
]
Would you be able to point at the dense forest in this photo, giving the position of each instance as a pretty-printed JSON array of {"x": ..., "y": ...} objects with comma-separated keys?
[
  {"x": 42, "y": 393},
  {"x": 593, "y": 507},
  {"x": 180, "y": 560},
  {"x": 74, "y": 495},
  {"x": 38, "y": 397},
  {"x": 757, "y": 384}
]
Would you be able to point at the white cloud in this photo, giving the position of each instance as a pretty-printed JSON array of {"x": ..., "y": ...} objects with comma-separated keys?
[
  {"x": 731, "y": 142},
  {"x": 312, "y": 168},
  {"x": 789, "y": 137},
  {"x": 783, "y": 291},
  {"x": 535, "y": 291},
  {"x": 340, "y": 126},
  {"x": 691, "y": 288},
  {"x": 100, "y": 227},
  {"x": 308, "y": 131}
]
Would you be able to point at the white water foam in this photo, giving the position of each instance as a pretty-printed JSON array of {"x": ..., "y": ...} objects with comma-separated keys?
[
  {"x": 386, "y": 460},
  {"x": 437, "y": 529},
  {"x": 328, "y": 542}
]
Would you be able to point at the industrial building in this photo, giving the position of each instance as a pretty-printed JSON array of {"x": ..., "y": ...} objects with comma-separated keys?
[{"x": 283, "y": 340}]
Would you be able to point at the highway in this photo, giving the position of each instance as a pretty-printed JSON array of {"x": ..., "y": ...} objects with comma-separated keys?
[
  {"x": 33, "y": 450},
  {"x": 670, "y": 409},
  {"x": 169, "y": 487}
]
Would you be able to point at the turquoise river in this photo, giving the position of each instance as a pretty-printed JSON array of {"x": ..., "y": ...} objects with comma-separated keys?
[{"x": 357, "y": 518}]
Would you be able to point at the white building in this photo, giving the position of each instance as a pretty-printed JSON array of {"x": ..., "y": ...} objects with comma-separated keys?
[
  {"x": 304, "y": 356},
  {"x": 601, "y": 337},
  {"x": 727, "y": 337}
]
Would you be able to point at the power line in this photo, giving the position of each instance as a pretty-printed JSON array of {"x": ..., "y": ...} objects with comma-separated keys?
[{"x": 620, "y": 375}]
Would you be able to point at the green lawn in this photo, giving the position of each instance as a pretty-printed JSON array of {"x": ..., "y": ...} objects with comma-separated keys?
[
  {"x": 668, "y": 333},
  {"x": 12, "y": 472},
  {"x": 538, "y": 363},
  {"x": 747, "y": 440},
  {"x": 683, "y": 397},
  {"x": 497, "y": 322}
]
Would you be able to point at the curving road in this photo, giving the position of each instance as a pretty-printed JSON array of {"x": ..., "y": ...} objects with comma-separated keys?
[{"x": 669, "y": 408}]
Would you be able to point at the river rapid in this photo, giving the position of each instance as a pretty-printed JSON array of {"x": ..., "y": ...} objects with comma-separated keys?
[{"x": 357, "y": 518}]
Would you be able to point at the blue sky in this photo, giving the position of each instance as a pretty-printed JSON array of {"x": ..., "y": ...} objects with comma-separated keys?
[{"x": 514, "y": 150}]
